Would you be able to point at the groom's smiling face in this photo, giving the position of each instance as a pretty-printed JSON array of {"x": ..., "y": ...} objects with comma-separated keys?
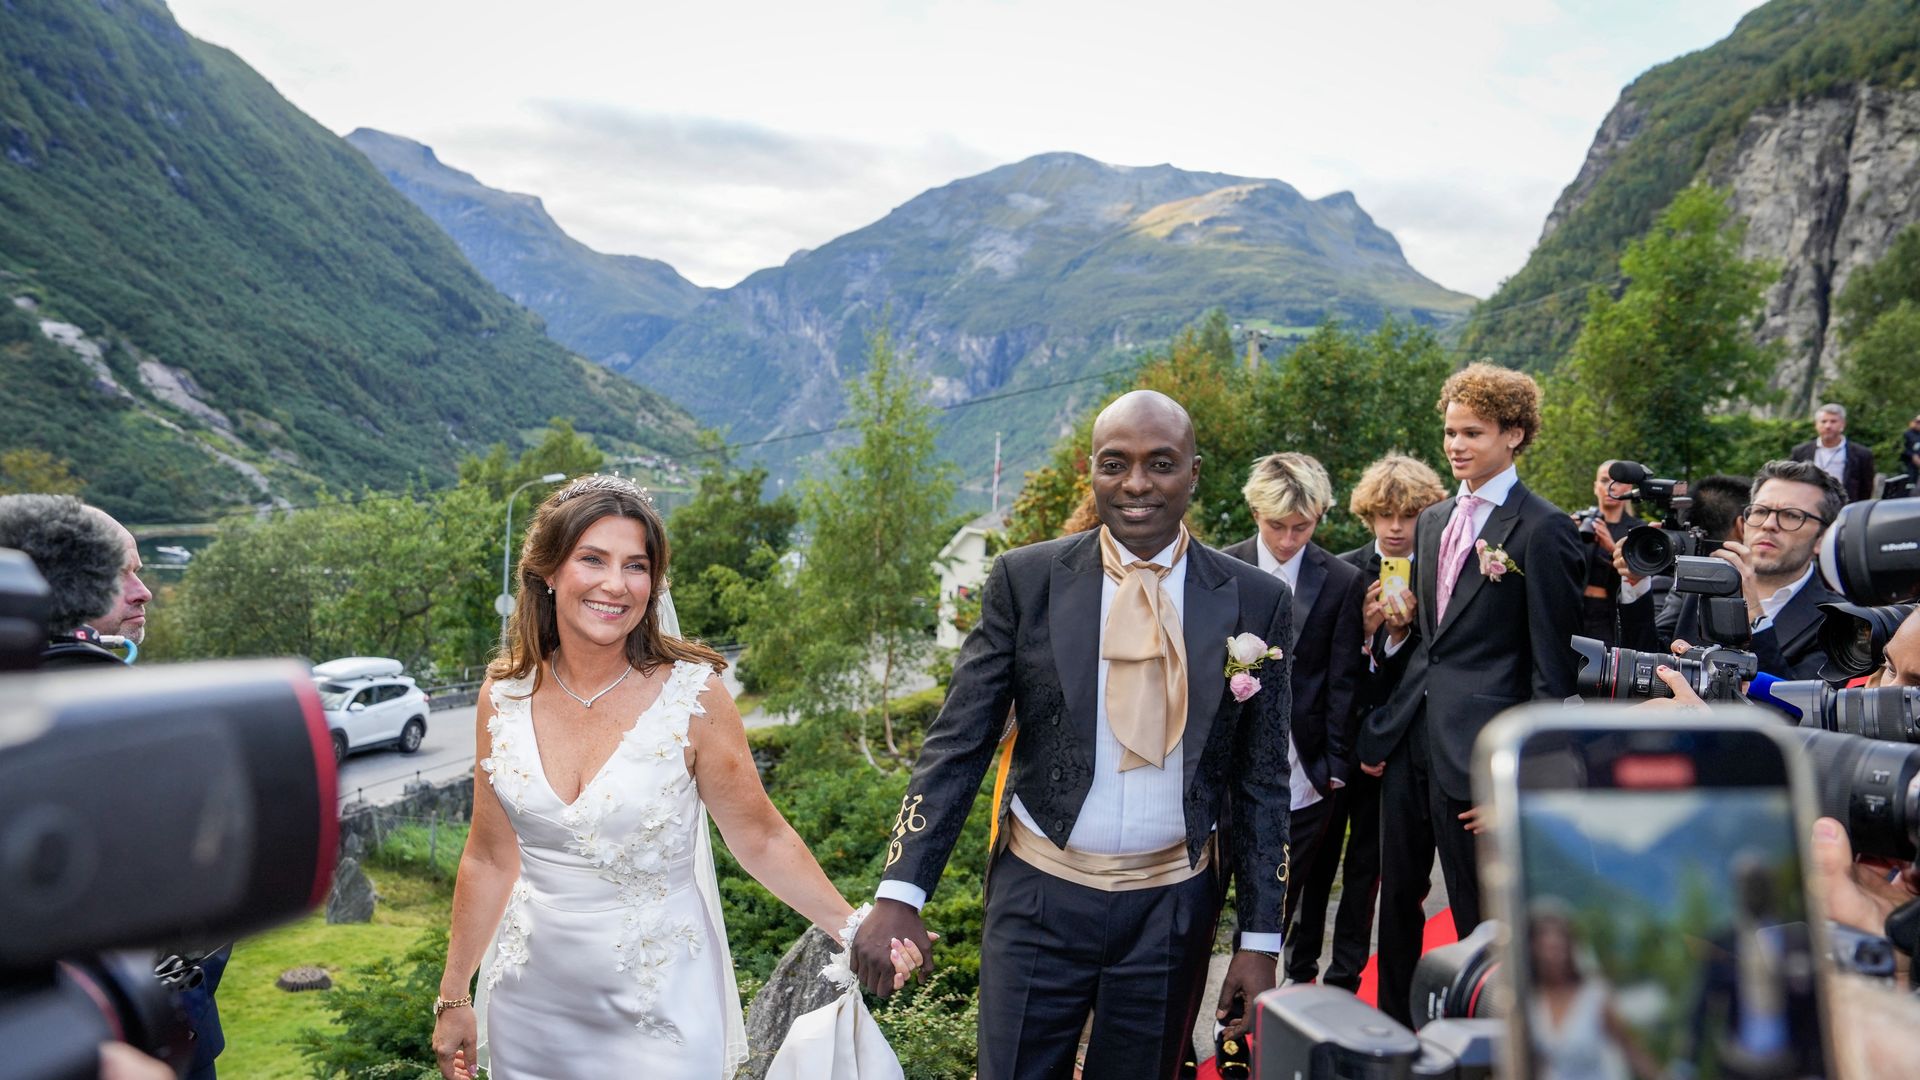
[{"x": 1143, "y": 470}]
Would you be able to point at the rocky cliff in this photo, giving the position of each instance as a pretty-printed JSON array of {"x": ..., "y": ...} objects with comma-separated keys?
[
  {"x": 1824, "y": 185},
  {"x": 1808, "y": 112}
]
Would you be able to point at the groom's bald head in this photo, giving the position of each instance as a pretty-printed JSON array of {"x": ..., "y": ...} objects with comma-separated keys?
[{"x": 1143, "y": 469}]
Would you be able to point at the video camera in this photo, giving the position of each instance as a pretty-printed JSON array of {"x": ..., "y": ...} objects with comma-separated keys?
[
  {"x": 1651, "y": 549},
  {"x": 142, "y": 814}
]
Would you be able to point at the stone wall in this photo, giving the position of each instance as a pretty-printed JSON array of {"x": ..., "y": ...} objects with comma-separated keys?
[{"x": 363, "y": 826}]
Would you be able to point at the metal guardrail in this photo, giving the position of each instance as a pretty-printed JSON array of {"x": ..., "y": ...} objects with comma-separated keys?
[{"x": 452, "y": 695}]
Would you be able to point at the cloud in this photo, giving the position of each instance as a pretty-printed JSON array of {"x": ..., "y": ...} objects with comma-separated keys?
[{"x": 716, "y": 198}]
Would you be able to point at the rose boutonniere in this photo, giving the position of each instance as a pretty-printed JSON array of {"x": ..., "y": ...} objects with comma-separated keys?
[
  {"x": 1245, "y": 654},
  {"x": 1494, "y": 561}
]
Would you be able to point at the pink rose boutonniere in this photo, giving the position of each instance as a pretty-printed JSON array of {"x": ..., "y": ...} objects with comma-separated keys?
[
  {"x": 1245, "y": 655},
  {"x": 1494, "y": 561}
]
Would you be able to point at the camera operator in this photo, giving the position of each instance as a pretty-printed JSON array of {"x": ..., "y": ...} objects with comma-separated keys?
[
  {"x": 81, "y": 556},
  {"x": 1602, "y": 525},
  {"x": 1792, "y": 503},
  {"x": 91, "y": 564},
  {"x": 1649, "y": 611}
]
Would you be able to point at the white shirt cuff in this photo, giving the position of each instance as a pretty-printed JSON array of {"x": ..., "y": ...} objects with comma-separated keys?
[
  {"x": 1261, "y": 942},
  {"x": 1336, "y": 783},
  {"x": 1632, "y": 591},
  {"x": 904, "y": 891},
  {"x": 1393, "y": 647}
]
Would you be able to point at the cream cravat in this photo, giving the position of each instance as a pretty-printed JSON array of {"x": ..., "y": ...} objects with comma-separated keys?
[{"x": 1146, "y": 656}]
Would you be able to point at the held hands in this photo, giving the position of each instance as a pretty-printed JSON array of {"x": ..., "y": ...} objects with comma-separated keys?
[
  {"x": 891, "y": 943},
  {"x": 1249, "y": 975},
  {"x": 454, "y": 1036}
]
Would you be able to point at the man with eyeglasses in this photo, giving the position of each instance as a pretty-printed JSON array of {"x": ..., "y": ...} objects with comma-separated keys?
[{"x": 1792, "y": 504}]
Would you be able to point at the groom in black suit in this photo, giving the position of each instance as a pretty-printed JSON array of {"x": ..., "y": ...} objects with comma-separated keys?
[
  {"x": 1111, "y": 648},
  {"x": 1498, "y": 573}
]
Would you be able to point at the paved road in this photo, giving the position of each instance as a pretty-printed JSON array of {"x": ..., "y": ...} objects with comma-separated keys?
[{"x": 378, "y": 776}]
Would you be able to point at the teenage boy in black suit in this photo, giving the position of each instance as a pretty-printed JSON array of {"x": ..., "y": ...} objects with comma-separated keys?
[
  {"x": 1289, "y": 494},
  {"x": 1389, "y": 498},
  {"x": 1498, "y": 573}
]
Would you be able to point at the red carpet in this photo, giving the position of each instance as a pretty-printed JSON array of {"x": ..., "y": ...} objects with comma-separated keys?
[{"x": 1438, "y": 932}]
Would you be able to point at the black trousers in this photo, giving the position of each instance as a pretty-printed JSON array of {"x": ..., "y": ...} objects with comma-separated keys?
[
  {"x": 1053, "y": 950},
  {"x": 1307, "y": 833},
  {"x": 1459, "y": 862},
  {"x": 1406, "y": 870},
  {"x": 1354, "y": 824}
]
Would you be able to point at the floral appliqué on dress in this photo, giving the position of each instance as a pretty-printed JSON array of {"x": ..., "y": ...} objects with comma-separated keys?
[{"x": 637, "y": 862}]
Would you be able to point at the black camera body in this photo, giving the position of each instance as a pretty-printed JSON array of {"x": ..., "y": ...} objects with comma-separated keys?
[
  {"x": 1586, "y": 522},
  {"x": 1649, "y": 550},
  {"x": 143, "y": 814},
  {"x": 1716, "y": 670},
  {"x": 1313, "y": 1032}
]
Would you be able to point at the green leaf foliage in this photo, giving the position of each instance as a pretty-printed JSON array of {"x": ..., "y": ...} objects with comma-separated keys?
[
  {"x": 1688, "y": 111},
  {"x": 1343, "y": 395},
  {"x": 164, "y": 198},
  {"x": 727, "y": 535},
  {"x": 385, "y": 1016},
  {"x": 844, "y": 629},
  {"x": 1651, "y": 369}
]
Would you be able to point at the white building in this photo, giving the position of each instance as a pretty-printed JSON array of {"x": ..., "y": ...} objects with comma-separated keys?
[{"x": 963, "y": 565}]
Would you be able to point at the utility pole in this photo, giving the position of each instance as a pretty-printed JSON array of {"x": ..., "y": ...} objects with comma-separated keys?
[{"x": 996, "y": 472}]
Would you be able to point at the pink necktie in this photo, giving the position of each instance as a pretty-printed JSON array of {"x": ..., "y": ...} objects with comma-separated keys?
[{"x": 1454, "y": 545}]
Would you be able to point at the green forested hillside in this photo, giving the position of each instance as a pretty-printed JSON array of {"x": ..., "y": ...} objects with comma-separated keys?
[
  {"x": 254, "y": 288},
  {"x": 1669, "y": 127}
]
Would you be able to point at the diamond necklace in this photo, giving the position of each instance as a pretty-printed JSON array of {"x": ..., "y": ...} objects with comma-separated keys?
[{"x": 587, "y": 701}]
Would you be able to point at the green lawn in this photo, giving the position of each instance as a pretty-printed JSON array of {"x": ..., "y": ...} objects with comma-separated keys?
[{"x": 261, "y": 1021}]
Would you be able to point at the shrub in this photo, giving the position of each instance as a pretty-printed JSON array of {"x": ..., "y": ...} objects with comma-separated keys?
[{"x": 385, "y": 1015}]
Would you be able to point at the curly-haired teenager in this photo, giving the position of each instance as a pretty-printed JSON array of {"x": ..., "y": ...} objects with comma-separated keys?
[{"x": 1497, "y": 576}]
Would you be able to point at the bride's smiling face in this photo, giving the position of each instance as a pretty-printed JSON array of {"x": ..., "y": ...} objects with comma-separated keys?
[{"x": 600, "y": 591}]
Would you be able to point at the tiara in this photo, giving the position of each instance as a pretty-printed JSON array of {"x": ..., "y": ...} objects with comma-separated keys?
[{"x": 603, "y": 482}]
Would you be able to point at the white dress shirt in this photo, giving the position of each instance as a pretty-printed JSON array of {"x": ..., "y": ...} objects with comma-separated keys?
[
  {"x": 1125, "y": 812},
  {"x": 1303, "y": 793},
  {"x": 1492, "y": 494},
  {"x": 1770, "y": 605},
  {"x": 1832, "y": 461}
]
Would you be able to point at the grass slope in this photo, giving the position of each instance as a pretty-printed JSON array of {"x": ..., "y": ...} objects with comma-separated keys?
[{"x": 160, "y": 194}]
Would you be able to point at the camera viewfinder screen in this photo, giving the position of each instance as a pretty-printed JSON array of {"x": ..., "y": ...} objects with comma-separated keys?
[{"x": 1665, "y": 927}]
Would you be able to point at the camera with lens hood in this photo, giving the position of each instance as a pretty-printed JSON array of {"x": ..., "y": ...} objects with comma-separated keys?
[
  {"x": 1651, "y": 549},
  {"x": 1715, "y": 670},
  {"x": 145, "y": 818},
  {"x": 1871, "y": 552}
]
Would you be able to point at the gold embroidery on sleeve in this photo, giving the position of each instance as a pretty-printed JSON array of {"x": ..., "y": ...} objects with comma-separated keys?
[{"x": 909, "y": 819}]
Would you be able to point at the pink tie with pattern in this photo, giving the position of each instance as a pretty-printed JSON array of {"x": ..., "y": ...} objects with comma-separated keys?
[{"x": 1454, "y": 545}]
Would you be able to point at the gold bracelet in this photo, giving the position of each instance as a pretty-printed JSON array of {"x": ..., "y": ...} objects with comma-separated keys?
[{"x": 441, "y": 1004}]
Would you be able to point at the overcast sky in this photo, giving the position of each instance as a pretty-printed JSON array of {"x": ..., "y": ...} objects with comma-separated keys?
[{"x": 723, "y": 136}]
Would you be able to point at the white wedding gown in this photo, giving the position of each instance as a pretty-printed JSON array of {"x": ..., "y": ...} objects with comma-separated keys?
[{"x": 611, "y": 960}]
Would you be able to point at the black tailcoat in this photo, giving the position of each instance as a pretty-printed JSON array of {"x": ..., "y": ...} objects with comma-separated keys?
[{"x": 1036, "y": 650}]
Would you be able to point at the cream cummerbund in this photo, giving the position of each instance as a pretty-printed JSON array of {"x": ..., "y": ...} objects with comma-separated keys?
[{"x": 1108, "y": 873}]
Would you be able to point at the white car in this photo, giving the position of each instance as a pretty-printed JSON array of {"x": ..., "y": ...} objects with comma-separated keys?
[{"x": 370, "y": 703}]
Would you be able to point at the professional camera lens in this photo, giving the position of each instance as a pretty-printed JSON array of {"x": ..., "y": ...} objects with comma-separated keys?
[
  {"x": 1887, "y": 713},
  {"x": 1871, "y": 787},
  {"x": 1854, "y": 637},
  {"x": 1458, "y": 981},
  {"x": 1871, "y": 552},
  {"x": 1629, "y": 674},
  {"x": 1649, "y": 549}
]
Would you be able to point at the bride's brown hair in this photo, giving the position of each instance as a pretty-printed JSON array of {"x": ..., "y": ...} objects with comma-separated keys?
[{"x": 534, "y": 633}]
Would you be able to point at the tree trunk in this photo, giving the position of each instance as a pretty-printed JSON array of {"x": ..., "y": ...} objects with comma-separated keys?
[{"x": 886, "y": 711}]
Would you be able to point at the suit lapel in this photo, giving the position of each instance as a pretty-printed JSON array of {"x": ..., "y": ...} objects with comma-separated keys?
[
  {"x": 1073, "y": 594},
  {"x": 1313, "y": 574},
  {"x": 1495, "y": 532},
  {"x": 1211, "y": 609},
  {"x": 1426, "y": 565},
  {"x": 1800, "y": 617}
]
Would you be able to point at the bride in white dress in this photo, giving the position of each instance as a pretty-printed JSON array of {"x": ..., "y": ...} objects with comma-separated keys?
[{"x": 587, "y": 879}]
